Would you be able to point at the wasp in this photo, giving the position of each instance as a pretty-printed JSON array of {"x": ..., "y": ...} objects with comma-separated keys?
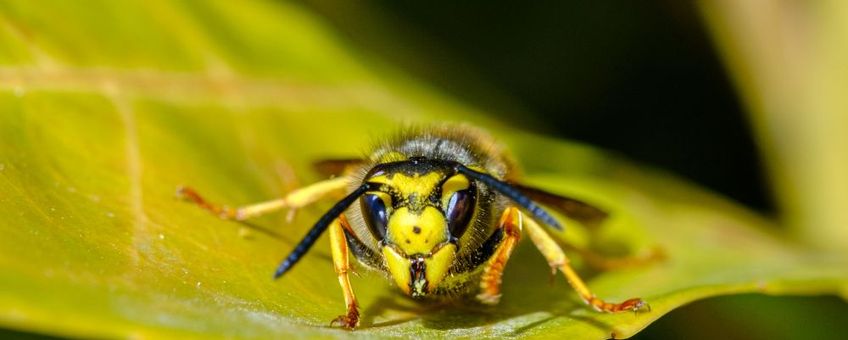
[{"x": 439, "y": 210}]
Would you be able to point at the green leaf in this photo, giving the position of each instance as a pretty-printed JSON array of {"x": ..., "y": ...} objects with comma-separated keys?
[{"x": 105, "y": 109}]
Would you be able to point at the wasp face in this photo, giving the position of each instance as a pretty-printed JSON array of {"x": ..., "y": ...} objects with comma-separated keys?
[{"x": 418, "y": 212}]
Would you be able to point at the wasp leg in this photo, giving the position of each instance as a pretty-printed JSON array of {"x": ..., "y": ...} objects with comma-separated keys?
[
  {"x": 490, "y": 282},
  {"x": 338, "y": 245},
  {"x": 591, "y": 217},
  {"x": 295, "y": 199},
  {"x": 557, "y": 260}
]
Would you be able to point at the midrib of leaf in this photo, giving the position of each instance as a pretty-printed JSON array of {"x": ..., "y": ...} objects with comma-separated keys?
[
  {"x": 133, "y": 172},
  {"x": 196, "y": 87}
]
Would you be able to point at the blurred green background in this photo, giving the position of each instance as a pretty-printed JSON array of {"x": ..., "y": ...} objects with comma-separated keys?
[
  {"x": 745, "y": 99},
  {"x": 647, "y": 80}
]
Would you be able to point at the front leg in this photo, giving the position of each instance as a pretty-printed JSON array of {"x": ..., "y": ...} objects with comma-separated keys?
[
  {"x": 338, "y": 245},
  {"x": 490, "y": 281},
  {"x": 296, "y": 199}
]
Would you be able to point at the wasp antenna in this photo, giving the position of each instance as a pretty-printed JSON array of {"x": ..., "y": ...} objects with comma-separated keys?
[
  {"x": 317, "y": 230},
  {"x": 513, "y": 193}
]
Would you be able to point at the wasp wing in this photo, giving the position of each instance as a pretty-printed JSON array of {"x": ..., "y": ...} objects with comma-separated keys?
[
  {"x": 572, "y": 208},
  {"x": 336, "y": 167}
]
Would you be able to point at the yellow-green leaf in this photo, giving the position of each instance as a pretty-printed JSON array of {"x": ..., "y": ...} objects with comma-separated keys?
[{"x": 106, "y": 107}]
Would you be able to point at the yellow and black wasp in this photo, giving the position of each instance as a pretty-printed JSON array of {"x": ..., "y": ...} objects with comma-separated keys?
[{"x": 438, "y": 209}]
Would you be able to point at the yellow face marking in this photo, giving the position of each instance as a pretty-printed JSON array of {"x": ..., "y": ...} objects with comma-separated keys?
[
  {"x": 455, "y": 183},
  {"x": 452, "y": 185},
  {"x": 417, "y": 233},
  {"x": 438, "y": 265},
  {"x": 408, "y": 185},
  {"x": 398, "y": 267},
  {"x": 435, "y": 269}
]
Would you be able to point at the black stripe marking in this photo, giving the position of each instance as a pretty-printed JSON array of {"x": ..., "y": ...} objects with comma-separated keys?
[{"x": 482, "y": 254}]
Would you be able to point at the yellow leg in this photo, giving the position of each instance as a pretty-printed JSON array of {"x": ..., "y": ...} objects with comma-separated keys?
[
  {"x": 338, "y": 245},
  {"x": 557, "y": 260},
  {"x": 490, "y": 282},
  {"x": 296, "y": 199}
]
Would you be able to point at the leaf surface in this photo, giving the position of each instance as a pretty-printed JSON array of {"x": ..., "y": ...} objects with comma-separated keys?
[{"x": 106, "y": 108}]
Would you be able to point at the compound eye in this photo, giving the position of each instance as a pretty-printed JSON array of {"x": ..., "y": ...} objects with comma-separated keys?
[
  {"x": 458, "y": 210},
  {"x": 375, "y": 213}
]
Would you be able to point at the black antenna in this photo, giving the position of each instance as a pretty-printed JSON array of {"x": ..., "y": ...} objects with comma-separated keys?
[
  {"x": 513, "y": 194},
  {"x": 318, "y": 229}
]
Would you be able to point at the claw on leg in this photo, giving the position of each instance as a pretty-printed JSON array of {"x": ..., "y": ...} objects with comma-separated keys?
[
  {"x": 347, "y": 321},
  {"x": 191, "y": 195},
  {"x": 338, "y": 248},
  {"x": 635, "y": 305}
]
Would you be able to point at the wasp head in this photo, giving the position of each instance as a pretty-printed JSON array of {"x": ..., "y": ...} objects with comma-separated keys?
[{"x": 417, "y": 210}]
